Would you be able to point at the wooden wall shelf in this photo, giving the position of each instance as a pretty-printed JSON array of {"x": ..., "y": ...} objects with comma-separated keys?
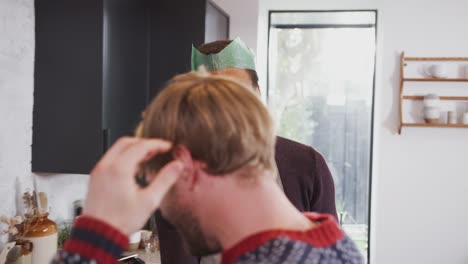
[
  {"x": 403, "y": 61},
  {"x": 435, "y": 80},
  {"x": 436, "y": 58},
  {"x": 421, "y": 97},
  {"x": 434, "y": 125}
]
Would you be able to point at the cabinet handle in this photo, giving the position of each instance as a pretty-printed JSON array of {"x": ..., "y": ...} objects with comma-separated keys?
[{"x": 106, "y": 134}]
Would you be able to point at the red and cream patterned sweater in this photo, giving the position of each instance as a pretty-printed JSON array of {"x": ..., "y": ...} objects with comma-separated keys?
[
  {"x": 324, "y": 243},
  {"x": 93, "y": 241}
]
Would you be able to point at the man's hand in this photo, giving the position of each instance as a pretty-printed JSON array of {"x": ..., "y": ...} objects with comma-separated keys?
[{"x": 113, "y": 195}]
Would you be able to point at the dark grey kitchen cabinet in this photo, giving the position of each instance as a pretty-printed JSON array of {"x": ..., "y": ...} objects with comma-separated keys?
[
  {"x": 97, "y": 65},
  {"x": 91, "y": 79},
  {"x": 175, "y": 26}
]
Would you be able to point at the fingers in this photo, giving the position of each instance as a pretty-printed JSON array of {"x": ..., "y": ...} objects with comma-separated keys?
[
  {"x": 127, "y": 153},
  {"x": 162, "y": 182},
  {"x": 141, "y": 151}
]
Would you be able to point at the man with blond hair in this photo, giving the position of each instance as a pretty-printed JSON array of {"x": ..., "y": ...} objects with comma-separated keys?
[{"x": 227, "y": 198}]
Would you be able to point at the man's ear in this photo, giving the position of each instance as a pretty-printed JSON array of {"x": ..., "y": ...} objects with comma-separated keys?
[{"x": 189, "y": 174}]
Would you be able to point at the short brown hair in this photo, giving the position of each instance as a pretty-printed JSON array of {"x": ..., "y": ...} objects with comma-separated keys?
[
  {"x": 220, "y": 122},
  {"x": 216, "y": 47}
]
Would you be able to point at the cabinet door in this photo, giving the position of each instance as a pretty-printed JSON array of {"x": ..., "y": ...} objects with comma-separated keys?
[
  {"x": 173, "y": 31},
  {"x": 216, "y": 23},
  {"x": 126, "y": 39},
  {"x": 67, "y": 127}
]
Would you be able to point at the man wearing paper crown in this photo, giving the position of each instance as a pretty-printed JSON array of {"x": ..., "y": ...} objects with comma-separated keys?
[{"x": 304, "y": 174}]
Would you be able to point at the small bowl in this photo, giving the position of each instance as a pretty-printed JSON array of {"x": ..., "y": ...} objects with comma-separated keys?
[{"x": 432, "y": 120}]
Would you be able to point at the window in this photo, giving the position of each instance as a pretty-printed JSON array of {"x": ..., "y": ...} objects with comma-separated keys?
[{"x": 320, "y": 90}]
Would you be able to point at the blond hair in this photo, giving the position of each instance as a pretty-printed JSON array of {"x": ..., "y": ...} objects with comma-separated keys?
[{"x": 221, "y": 122}]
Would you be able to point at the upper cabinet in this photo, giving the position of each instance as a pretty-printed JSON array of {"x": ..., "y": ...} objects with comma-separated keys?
[
  {"x": 175, "y": 26},
  {"x": 91, "y": 79},
  {"x": 97, "y": 65}
]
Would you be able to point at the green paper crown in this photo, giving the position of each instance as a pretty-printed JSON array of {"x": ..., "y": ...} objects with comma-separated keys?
[{"x": 234, "y": 55}]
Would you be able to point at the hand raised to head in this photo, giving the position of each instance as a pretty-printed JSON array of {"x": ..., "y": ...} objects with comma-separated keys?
[{"x": 113, "y": 195}]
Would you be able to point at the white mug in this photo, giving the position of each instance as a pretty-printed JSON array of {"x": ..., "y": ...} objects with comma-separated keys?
[
  {"x": 134, "y": 241},
  {"x": 463, "y": 71},
  {"x": 465, "y": 118},
  {"x": 443, "y": 119},
  {"x": 435, "y": 71},
  {"x": 452, "y": 117}
]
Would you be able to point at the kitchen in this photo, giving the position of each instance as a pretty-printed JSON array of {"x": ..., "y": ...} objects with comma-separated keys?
[{"x": 69, "y": 130}]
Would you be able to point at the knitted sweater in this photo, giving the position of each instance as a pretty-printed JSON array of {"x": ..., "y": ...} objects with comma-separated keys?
[
  {"x": 322, "y": 244},
  {"x": 93, "y": 241}
]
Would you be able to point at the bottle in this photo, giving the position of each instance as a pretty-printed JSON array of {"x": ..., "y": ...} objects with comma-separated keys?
[
  {"x": 43, "y": 235},
  {"x": 77, "y": 208}
]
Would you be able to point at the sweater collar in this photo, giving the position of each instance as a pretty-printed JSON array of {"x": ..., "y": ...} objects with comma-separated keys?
[{"x": 326, "y": 233}]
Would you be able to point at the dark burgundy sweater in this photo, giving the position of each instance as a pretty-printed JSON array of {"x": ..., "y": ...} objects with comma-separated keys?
[{"x": 307, "y": 182}]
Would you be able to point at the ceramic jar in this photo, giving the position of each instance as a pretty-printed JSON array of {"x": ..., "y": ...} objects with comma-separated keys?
[
  {"x": 431, "y": 108},
  {"x": 43, "y": 235}
]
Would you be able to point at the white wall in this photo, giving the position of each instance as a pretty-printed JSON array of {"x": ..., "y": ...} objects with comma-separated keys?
[
  {"x": 16, "y": 98},
  {"x": 422, "y": 200},
  {"x": 419, "y": 210},
  {"x": 63, "y": 190},
  {"x": 243, "y": 19}
]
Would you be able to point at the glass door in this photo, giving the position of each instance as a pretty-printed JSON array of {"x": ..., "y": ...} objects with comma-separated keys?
[{"x": 320, "y": 90}]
